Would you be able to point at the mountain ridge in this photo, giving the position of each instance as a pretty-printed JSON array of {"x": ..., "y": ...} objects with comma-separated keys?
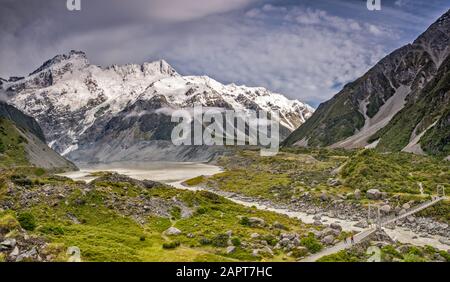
[
  {"x": 356, "y": 116},
  {"x": 73, "y": 100}
]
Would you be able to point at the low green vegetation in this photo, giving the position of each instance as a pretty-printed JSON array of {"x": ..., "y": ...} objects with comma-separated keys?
[
  {"x": 388, "y": 253},
  {"x": 296, "y": 172},
  {"x": 109, "y": 221},
  {"x": 12, "y": 152}
]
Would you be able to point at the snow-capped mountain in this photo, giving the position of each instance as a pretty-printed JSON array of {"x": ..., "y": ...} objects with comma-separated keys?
[{"x": 78, "y": 104}]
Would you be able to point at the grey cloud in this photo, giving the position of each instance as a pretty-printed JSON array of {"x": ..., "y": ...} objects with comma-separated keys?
[{"x": 305, "y": 53}]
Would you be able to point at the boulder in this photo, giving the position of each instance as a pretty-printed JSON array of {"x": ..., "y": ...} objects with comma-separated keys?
[
  {"x": 329, "y": 239},
  {"x": 373, "y": 194},
  {"x": 8, "y": 244},
  {"x": 172, "y": 231},
  {"x": 278, "y": 225},
  {"x": 15, "y": 252},
  {"x": 255, "y": 221},
  {"x": 231, "y": 249},
  {"x": 362, "y": 224},
  {"x": 406, "y": 206},
  {"x": 336, "y": 226},
  {"x": 324, "y": 196},
  {"x": 444, "y": 241},
  {"x": 385, "y": 209},
  {"x": 411, "y": 219},
  {"x": 254, "y": 235},
  {"x": 333, "y": 182}
]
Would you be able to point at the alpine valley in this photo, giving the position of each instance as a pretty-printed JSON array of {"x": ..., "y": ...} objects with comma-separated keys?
[{"x": 88, "y": 171}]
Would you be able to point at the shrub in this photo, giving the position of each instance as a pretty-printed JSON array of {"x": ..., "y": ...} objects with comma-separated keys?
[
  {"x": 142, "y": 238},
  {"x": 236, "y": 241},
  {"x": 39, "y": 171},
  {"x": 220, "y": 240},
  {"x": 270, "y": 239},
  {"x": 53, "y": 230},
  {"x": 415, "y": 251},
  {"x": 311, "y": 244},
  {"x": 245, "y": 221},
  {"x": 413, "y": 258},
  {"x": 390, "y": 250},
  {"x": 299, "y": 252},
  {"x": 445, "y": 255},
  {"x": 202, "y": 210},
  {"x": 27, "y": 221},
  {"x": 171, "y": 245},
  {"x": 8, "y": 223},
  {"x": 216, "y": 199},
  {"x": 176, "y": 212},
  {"x": 341, "y": 256},
  {"x": 204, "y": 241},
  {"x": 21, "y": 180}
]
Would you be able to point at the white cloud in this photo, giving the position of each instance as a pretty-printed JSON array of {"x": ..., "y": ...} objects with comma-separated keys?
[
  {"x": 182, "y": 10},
  {"x": 304, "y": 53}
]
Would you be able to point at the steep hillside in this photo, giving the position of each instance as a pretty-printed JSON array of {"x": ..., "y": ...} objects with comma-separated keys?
[
  {"x": 22, "y": 143},
  {"x": 390, "y": 105}
]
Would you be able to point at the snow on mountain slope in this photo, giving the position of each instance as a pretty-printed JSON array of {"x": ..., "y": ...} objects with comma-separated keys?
[{"x": 71, "y": 98}]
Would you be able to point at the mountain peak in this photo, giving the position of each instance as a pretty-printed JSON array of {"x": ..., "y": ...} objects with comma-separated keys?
[
  {"x": 161, "y": 66},
  {"x": 74, "y": 56}
]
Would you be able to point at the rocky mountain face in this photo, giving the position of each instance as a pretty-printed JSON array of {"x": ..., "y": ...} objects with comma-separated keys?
[
  {"x": 22, "y": 142},
  {"x": 90, "y": 113},
  {"x": 402, "y": 103}
]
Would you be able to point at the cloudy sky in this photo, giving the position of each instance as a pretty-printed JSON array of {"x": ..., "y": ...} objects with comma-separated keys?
[{"x": 305, "y": 49}]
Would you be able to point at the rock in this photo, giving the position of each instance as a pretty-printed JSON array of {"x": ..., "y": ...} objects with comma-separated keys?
[
  {"x": 324, "y": 197},
  {"x": 27, "y": 255},
  {"x": 254, "y": 235},
  {"x": 190, "y": 235},
  {"x": 403, "y": 249},
  {"x": 357, "y": 194},
  {"x": 231, "y": 249},
  {"x": 336, "y": 226},
  {"x": 317, "y": 217},
  {"x": 440, "y": 258},
  {"x": 15, "y": 252},
  {"x": 278, "y": 225},
  {"x": 317, "y": 222},
  {"x": 317, "y": 233},
  {"x": 329, "y": 239},
  {"x": 373, "y": 194},
  {"x": 385, "y": 209},
  {"x": 254, "y": 221},
  {"x": 406, "y": 206},
  {"x": 362, "y": 224},
  {"x": 333, "y": 182},
  {"x": 255, "y": 252},
  {"x": 8, "y": 244},
  {"x": 384, "y": 195},
  {"x": 229, "y": 233},
  {"x": 444, "y": 241},
  {"x": 172, "y": 231},
  {"x": 411, "y": 219},
  {"x": 401, "y": 212}
]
